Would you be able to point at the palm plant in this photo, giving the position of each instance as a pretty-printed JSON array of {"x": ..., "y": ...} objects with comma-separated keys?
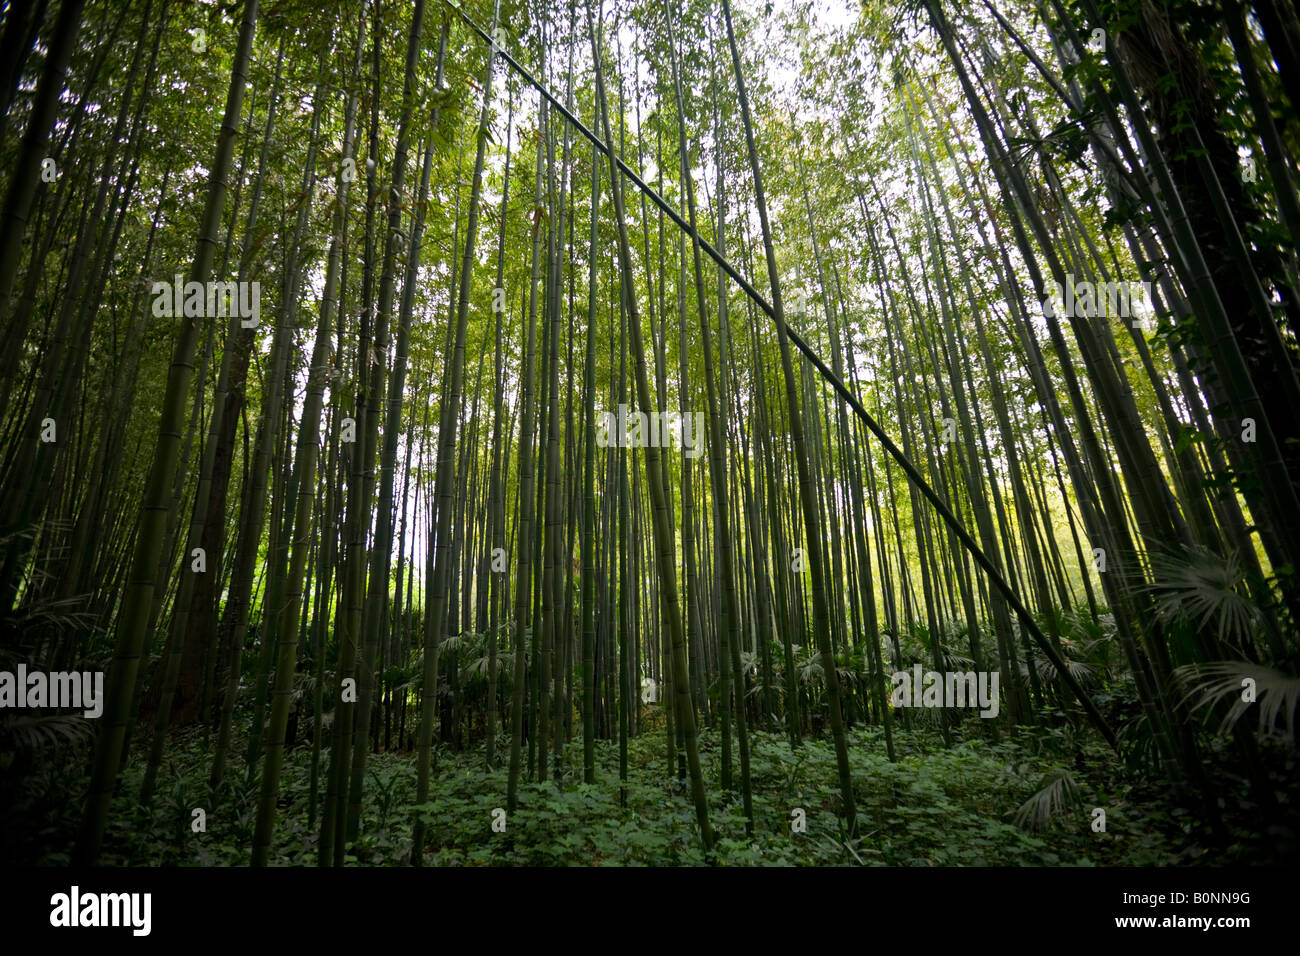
[
  {"x": 1244, "y": 683},
  {"x": 1057, "y": 793},
  {"x": 1047, "y": 671},
  {"x": 1195, "y": 586}
]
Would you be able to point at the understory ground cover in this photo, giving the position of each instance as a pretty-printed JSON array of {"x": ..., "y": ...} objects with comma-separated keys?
[{"x": 980, "y": 802}]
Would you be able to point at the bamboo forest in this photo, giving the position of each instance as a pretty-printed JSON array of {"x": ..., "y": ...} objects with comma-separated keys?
[{"x": 649, "y": 432}]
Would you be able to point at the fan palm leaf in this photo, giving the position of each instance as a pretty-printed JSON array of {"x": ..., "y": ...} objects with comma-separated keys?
[
  {"x": 1197, "y": 586},
  {"x": 1245, "y": 684},
  {"x": 1057, "y": 793}
]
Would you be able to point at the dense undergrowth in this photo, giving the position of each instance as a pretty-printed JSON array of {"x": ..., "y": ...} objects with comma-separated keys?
[{"x": 1027, "y": 800}]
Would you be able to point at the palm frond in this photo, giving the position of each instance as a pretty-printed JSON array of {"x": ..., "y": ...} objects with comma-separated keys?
[
  {"x": 1277, "y": 694},
  {"x": 1138, "y": 746},
  {"x": 454, "y": 642},
  {"x": 1057, "y": 793},
  {"x": 1047, "y": 671},
  {"x": 1199, "y": 587},
  {"x": 955, "y": 662},
  {"x": 36, "y": 733}
]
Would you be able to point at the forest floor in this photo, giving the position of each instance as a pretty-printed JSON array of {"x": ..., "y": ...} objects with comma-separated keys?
[{"x": 935, "y": 806}]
